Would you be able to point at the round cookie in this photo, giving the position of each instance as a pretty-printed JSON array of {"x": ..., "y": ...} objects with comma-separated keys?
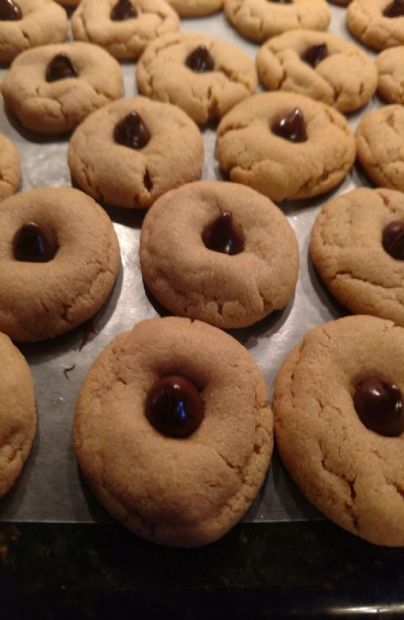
[
  {"x": 202, "y": 76},
  {"x": 367, "y": 22},
  {"x": 348, "y": 248},
  {"x": 239, "y": 261},
  {"x": 380, "y": 146},
  {"x": 159, "y": 148},
  {"x": 10, "y": 168},
  {"x": 123, "y": 27},
  {"x": 59, "y": 257},
  {"x": 17, "y": 413},
  {"x": 179, "y": 491},
  {"x": 196, "y": 8},
  {"x": 353, "y": 474},
  {"x": 389, "y": 65},
  {"x": 258, "y": 20},
  {"x": 319, "y": 65},
  {"x": 311, "y": 152},
  {"x": 51, "y": 89},
  {"x": 28, "y": 23}
]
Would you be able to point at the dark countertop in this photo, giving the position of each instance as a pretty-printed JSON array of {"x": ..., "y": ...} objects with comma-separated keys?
[{"x": 306, "y": 570}]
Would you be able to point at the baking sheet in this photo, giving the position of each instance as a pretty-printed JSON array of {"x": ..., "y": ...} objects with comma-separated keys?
[{"x": 50, "y": 488}]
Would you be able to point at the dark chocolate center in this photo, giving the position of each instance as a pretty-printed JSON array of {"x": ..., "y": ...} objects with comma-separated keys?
[
  {"x": 224, "y": 235},
  {"x": 393, "y": 239},
  {"x": 200, "y": 60},
  {"x": 175, "y": 407},
  {"x": 123, "y": 10},
  {"x": 379, "y": 405},
  {"x": 9, "y": 10},
  {"x": 132, "y": 132},
  {"x": 34, "y": 244},
  {"x": 394, "y": 9},
  {"x": 60, "y": 68},
  {"x": 315, "y": 54},
  {"x": 291, "y": 126}
]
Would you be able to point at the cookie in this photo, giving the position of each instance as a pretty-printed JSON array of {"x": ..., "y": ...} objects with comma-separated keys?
[
  {"x": 17, "y": 413},
  {"x": 29, "y": 23},
  {"x": 51, "y": 89},
  {"x": 376, "y": 23},
  {"x": 356, "y": 246},
  {"x": 258, "y": 20},
  {"x": 134, "y": 150},
  {"x": 239, "y": 261},
  {"x": 338, "y": 424},
  {"x": 196, "y": 8},
  {"x": 202, "y": 76},
  {"x": 123, "y": 27},
  {"x": 286, "y": 146},
  {"x": 173, "y": 431},
  {"x": 59, "y": 257},
  {"x": 322, "y": 66},
  {"x": 10, "y": 168},
  {"x": 390, "y": 86},
  {"x": 380, "y": 146}
]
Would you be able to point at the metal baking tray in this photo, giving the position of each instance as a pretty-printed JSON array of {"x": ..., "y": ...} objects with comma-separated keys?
[{"x": 50, "y": 488}]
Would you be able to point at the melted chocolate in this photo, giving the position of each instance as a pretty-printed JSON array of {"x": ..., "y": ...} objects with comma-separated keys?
[
  {"x": 315, "y": 54},
  {"x": 34, "y": 244},
  {"x": 224, "y": 235},
  {"x": 123, "y": 10},
  {"x": 200, "y": 60},
  {"x": 291, "y": 126},
  {"x": 132, "y": 132},
  {"x": 393, "y": 239},
  {"x": 60, "y": 68},
  {"x": 9, "y": 11},
  {"x": 175, "y": 407},
  {"x": 394, "y": 9},
  {"x": 379, "y": 405}
]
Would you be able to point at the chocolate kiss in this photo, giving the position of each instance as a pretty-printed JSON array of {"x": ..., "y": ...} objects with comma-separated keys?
[
  {"x": 123, "y": 10},
  {"x": 175, "y": 407},
  {"x": 34, "y": 244},
  {"x": 223, "y": 235},
  {"x": 60, "y": 68},
  {"x": 132, "y": 132},
  {"x": 393, "y": 239},
  {"x": 379, "y": 405},
  {"x": 292, "y": 126},
  {"x": 200, "y": 60},
  {"x": 9, "y": 11},
  {"x": 394, "y": 9},
  {"x": 315, "y": 54}
]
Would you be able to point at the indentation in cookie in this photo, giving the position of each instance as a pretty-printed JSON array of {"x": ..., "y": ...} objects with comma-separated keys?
[
  {"x": 122, "y": 11},
  {"x": 175, "y": 407},
  {"x": 60, "y": 68},
  {"x": 132, "y": 132},
  {"x": 393, "y": 239},
  {"x": 10, "y": 10},
  {"x": 379, "y": 405},
  {"x": 315, "y": 54},
  {"x": 291, "y": 126},
  {"x": 224, "y": 235},
  {"x": 200, "y": 60},
  {"x": 394, "y": 9},
  {"x": 34, "y": 244}
]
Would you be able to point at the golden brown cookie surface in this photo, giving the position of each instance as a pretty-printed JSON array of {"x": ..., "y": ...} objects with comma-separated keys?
[
  {"x": 353, "y": 474},
  {"x": 59, "y": 258},
  {"x": 220, "y": 253},
  {"x": 175, "y": 491}
]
